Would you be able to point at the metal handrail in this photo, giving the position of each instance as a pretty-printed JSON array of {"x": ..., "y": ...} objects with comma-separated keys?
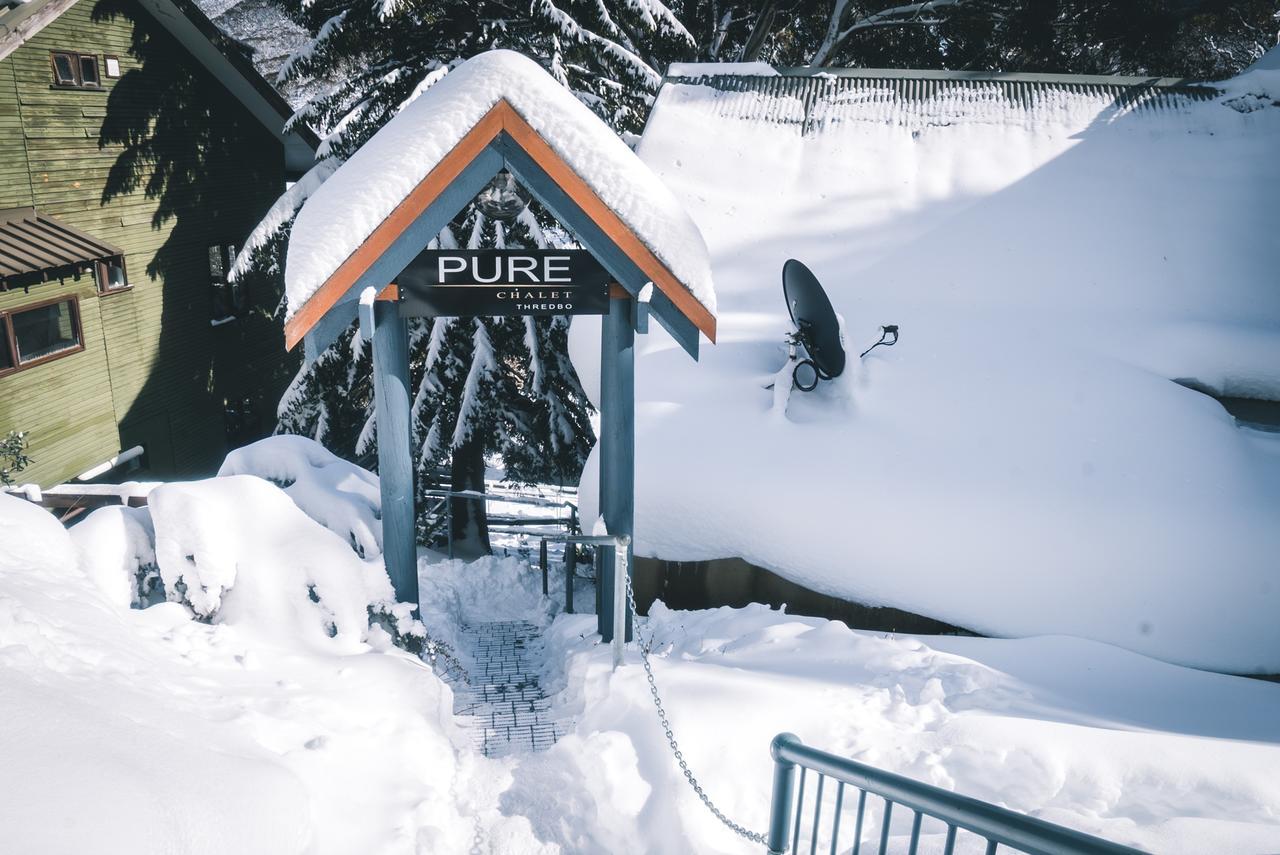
[
  {"x": 444, "y": 496},
  {"x": 499, "y": 497},
  {"x": 999, "y": 826}
]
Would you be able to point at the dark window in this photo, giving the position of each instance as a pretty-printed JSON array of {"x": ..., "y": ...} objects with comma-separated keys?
[
  {"x": 89, "y": 70},
  {"x": 111, "y": 275},
  {"x": 40, "y": 333},
  {"x": 230, "y": 299},
  {"x": 79, "y": 70},
  {"x": 242, "y": 421},
  {"x": 64, "y": 70}
]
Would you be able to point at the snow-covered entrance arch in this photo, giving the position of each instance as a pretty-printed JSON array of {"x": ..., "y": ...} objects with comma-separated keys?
[{"x": 384, "y": 205}]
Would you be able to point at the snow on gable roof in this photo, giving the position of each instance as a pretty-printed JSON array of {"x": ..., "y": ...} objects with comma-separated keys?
[
  {"x": 1056, "y": 252},
  {"x": 505, "y": 90}
]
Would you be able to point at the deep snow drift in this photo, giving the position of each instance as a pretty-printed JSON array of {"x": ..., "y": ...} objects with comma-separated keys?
[
  {"x": 285, "y": 726},
  {"x": 1161, "y": 757},
  {"x": 1020, "y": 463},
  {"x": 285, "y": 723}
]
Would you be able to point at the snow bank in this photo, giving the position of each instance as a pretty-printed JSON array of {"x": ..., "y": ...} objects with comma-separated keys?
[
  {"x": 132, "y": 731},
  {"x": 346, "y": 209},
  {"x": 239, "y": 549},
  {"x": 1021, "y": 463},
  {"x": 339, "y": 495},
  {"x": 97, "y": 757},
  {"x": 116, "y": 547},
  {"x": 1163, "y": 758}
]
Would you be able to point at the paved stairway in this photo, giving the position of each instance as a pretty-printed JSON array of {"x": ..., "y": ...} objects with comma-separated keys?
[{"x": 508, "y": 712}]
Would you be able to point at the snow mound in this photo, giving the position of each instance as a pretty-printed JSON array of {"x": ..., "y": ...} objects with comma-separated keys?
[
  {"x": 1021, "y": 462},
  {"x": 1164, "y": 758},
  {"x": 131, "y": 731},
  {"x": 456, "y": 593},
  {"x": 347, "y": 207},
  {"x": 116, "y": 547},
  {"x": 96, "y": 757},
  {"x": 339, "y": 495},
  {"x": 238, "y": 549},
  {"x": 33, "y": 542}
]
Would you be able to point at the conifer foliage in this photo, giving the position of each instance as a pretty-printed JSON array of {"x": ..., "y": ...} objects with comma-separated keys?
[{"x": 485, "y": 387}]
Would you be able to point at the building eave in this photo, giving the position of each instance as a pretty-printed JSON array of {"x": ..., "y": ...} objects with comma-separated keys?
[{"x": 217, "y": 52}]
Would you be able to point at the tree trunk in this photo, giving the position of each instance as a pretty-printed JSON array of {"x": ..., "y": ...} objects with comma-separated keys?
[
  {"x": 759, "y": 32},
  {"x": 470, "y": 522}
]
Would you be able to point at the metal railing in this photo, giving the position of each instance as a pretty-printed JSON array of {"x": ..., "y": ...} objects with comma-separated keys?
[
  {"x": 620, "y": 545},
  {"x": 996, "y": 825},
  {"x": 500, "y": 525}
]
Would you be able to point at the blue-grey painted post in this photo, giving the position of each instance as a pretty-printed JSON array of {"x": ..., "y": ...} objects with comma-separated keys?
[
  {"x": 395, "y": 462},
  {"x": 617, "y": 448},
  {"x": 570, "y": 564},
  {"x": 784, "y": 782}
]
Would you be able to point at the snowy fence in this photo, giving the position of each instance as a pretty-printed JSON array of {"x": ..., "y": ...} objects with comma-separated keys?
[
  {"x": 953, "y": 812},
  {"x": 68, "y": 501}
]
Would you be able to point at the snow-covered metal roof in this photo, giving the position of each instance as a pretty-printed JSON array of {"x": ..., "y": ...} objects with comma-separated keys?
[
  {"x": 813, "y": 98},
  {"x": 1021, "y": 463}
]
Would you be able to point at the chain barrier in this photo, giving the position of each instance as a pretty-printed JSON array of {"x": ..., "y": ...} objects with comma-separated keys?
[{"x": 645, "y": 648}]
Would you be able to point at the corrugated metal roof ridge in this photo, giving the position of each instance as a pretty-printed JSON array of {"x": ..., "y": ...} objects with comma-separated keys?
[
  {"x": 31, "y": 242},
  {"x": 813, "y": 101},
  {"x": 933, "y": 74}
]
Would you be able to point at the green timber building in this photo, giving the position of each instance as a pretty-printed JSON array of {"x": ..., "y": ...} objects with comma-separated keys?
[{"x": 138, "y": 149}]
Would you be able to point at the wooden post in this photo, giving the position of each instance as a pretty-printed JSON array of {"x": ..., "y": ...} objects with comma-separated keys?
[
  {"x": 617, "y": 448},
  {"x": 395, "y": 460}
]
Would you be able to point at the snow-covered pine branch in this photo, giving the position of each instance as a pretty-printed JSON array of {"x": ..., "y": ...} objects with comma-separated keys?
[{"x": 892, "y": 16}]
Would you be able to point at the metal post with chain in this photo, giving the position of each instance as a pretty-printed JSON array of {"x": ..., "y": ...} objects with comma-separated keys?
[{"x": 645, "y": 647}]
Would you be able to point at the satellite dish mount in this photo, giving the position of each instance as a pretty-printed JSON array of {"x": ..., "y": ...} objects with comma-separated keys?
[{"x": 815, "y": 344}]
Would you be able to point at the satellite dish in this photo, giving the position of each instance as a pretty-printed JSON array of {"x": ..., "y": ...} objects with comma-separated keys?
[{"x": 817, "y": 327}]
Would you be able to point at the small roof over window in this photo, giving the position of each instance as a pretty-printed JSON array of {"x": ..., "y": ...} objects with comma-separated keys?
[{"x": 31, "y": 242}]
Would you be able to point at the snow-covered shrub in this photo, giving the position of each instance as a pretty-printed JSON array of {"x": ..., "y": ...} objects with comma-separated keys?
[
  {"x": 116, "y": 547},
  {"x": 13, "y": 456},
  {"x": 237, "y": 549},
  {"x": 339, "y": 495}
]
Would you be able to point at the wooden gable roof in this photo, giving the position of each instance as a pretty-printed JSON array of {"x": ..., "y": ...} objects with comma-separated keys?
[{"x": 504, "y": 137}]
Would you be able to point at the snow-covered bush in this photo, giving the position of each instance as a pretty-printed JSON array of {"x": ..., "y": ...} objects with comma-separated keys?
[
  {"x": 147, "y": 731},
  {"x": 239, "y": 550},
  {"x": 339, "y": 495},
  {"x": 116, "y": 547},
  {"x": 13, "y": 456}
]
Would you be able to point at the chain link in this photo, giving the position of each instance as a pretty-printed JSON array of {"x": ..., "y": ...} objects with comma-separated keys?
[{"x": 645, "y": 648}]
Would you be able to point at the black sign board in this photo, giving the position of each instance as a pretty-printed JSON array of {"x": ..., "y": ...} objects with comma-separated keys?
[{"x": 470, "y": 282}]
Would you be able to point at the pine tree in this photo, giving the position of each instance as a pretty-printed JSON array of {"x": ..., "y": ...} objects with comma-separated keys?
[{"x": 499, "y": 388}]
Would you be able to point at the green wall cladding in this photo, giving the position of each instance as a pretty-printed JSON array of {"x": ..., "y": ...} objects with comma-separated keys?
[{"x": 162, "y": 162}]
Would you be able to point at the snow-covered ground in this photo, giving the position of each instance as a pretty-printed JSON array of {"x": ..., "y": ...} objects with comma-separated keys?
[
  {"x": 1022, "y": 461},
  {"x": 285, "y": 723}
]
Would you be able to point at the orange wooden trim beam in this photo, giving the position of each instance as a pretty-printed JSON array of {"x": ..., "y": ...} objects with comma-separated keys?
[
  {"x": 612, "y": 225},
  {"x": 409, "y": 209}
]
